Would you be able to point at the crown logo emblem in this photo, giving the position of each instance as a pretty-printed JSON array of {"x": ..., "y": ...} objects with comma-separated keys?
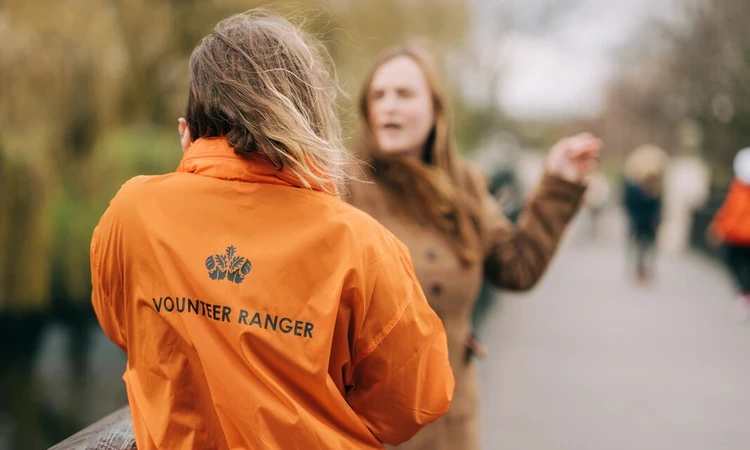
[{"x": 229, "y": 266}]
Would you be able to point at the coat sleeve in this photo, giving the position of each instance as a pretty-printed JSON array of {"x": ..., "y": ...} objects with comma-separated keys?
[
  {"x": 402, "y": 379},
  {"x": 517, "y": 255},
  {"x": 727, "y": 215},
  {"x": 106, "y": 280}
]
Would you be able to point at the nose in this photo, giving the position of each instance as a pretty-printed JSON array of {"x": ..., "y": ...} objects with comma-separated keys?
[{"x": 389, "y": 102}]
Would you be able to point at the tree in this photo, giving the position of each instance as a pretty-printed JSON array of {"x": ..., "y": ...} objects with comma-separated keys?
[
  {"x": 91, "y": 92},
  {"x": 691, "y": 74}
]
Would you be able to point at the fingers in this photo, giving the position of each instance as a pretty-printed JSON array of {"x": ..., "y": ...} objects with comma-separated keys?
[
  {"x": 585, "y": 141},
  {"x": 589, "y": 166},
  {"x": 581, "y": 144},
  {"x": 584, "y": 153},
  {"x": 584, "y": 146}
]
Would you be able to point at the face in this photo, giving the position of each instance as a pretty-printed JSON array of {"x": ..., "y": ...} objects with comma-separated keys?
[{"x": 401, "y": 112}]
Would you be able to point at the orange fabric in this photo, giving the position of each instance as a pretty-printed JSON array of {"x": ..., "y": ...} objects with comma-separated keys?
[
  {"x": 732, "y": 222},
  {"x": 260, "y": 315}
]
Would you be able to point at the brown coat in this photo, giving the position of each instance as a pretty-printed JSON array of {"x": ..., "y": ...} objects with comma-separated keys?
[{"x": 515, "y": 259}]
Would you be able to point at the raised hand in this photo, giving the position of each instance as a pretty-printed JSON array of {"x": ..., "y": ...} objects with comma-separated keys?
[{"x": 573, "y": 158}]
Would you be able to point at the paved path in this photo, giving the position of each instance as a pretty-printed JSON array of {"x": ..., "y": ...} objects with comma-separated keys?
[{"x": 589, "y": 361}]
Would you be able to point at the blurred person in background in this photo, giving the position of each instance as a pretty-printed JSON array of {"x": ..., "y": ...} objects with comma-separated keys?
[
  {"x": 731, "y": 226},
  {"x": 595, "y": 201},
  {"x": 257, "y": 309},
  {"x": 642, "y": 198},
  {"x": 503, "y": 185},
  {"x": 416, "y": 184}
]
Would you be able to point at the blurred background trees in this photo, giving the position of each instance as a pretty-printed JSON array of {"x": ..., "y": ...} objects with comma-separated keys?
[
  {"x": 685, "y": 85},
  {"x": 91, "y": 92}
]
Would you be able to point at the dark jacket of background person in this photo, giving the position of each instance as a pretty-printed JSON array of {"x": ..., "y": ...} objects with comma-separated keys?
[{"x": 644, "y": 210}]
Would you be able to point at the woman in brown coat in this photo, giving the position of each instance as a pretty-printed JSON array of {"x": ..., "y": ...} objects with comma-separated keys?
[{"x": 416, "y": 185}]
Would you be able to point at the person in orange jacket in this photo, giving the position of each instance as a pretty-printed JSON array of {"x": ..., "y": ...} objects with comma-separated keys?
[
  {"x": 257, "y": 309},
  {"x": 731, "y": 226}
]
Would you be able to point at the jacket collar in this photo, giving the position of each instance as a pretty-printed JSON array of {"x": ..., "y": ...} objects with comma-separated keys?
[{"x": 214, "y": 157}]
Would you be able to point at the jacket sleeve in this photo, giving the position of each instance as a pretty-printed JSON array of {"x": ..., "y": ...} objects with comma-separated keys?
[
  {"x": 401, "y": 376},
  {"x": 517, "y": 255},
  {"x": 722, "y": 221},
  {"x": 106, "y": 280}
]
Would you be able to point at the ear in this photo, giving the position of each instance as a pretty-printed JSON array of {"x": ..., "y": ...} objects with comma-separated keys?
[{"x": 185, "y": 138}]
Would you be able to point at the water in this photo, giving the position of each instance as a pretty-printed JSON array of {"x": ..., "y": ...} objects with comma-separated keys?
[{"x": 57, "y": 376}]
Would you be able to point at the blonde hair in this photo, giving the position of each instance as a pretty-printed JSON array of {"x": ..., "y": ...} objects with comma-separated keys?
[
  {"x": 265, "y": 86},
  {"x": 646, "y": 161},
  {"x": 436, "y": 186}
]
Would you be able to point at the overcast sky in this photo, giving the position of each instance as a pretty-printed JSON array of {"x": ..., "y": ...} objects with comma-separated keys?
[{"x": 557, "y": 55}]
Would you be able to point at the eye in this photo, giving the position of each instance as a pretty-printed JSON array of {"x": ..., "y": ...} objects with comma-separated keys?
[
  {"x": 377, "y": 94},
  {"x": 405, "y": 93}
]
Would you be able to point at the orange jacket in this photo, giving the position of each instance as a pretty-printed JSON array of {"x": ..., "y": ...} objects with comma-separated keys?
[
  {"x": 732, "y": 222},
  {"x": 260, "y": 315}
]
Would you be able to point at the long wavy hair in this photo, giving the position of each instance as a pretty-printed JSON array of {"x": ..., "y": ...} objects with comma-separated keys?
[
  {"x": 267, "y": 87},
  {"x": 435, "y": 186}
]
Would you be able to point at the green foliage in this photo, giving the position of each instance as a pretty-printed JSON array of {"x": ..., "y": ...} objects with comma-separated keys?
[
  {"x": 23, "y": 236},
  {"x": 91, "y": 91},
  {"x": 84, "y": 193}
]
